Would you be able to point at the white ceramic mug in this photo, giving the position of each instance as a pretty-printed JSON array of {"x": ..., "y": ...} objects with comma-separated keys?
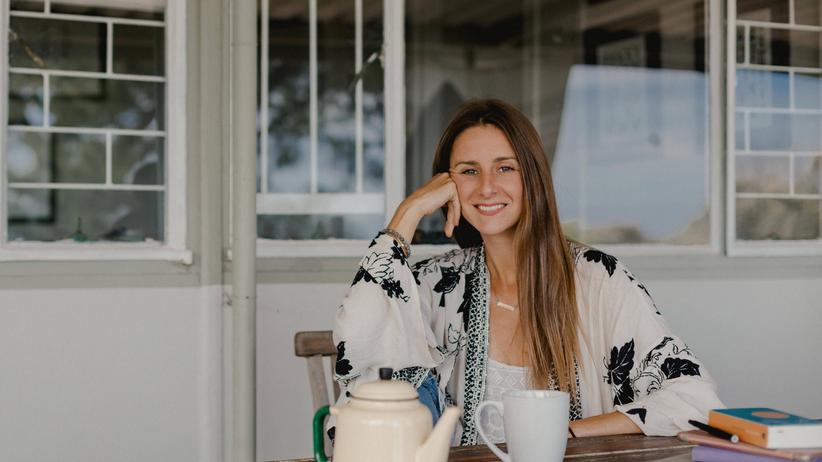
[{"x": 536, "y": 425}]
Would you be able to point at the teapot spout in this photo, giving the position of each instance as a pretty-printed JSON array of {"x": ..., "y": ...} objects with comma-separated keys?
[{"x": 436, "y": 446}]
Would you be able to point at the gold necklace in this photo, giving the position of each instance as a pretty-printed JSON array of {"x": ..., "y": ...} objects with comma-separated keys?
[{"x": 505, "y": 306}]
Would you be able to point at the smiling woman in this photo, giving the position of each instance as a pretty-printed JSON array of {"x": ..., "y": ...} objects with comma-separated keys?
[{"x": 565, "y": 316}]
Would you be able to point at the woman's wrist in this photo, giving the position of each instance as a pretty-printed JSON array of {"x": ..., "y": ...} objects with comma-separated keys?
[{"x": 405, "y": 221}]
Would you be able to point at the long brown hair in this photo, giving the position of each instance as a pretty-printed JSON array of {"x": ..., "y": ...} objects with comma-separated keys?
[{"x": 545, "y": 269}]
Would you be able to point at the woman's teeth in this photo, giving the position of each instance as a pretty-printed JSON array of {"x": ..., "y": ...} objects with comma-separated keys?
[{"x": 490, "y": 208}]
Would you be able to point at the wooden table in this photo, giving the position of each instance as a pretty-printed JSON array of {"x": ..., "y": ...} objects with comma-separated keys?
[{"x": 634, "y": 448}]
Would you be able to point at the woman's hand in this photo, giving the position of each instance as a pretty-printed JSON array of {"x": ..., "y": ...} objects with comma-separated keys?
[{"x": 430, "y": 197}]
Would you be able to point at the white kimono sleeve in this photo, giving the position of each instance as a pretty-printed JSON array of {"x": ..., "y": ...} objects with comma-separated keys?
[
  {"x": 383, "y": 321},
  {"x": 655, "y": 379}
]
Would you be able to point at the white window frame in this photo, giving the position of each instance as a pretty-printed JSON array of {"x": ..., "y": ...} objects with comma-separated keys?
[
  {"x": 173, "y": 248},
  {"x": 394, "y": 75},
  {"x": 735, "y": 247}
]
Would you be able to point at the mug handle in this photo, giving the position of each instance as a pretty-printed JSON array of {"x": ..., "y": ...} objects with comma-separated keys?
[
  {"x": 493, "y": 447},
  {"x": 319, "y": 436}
]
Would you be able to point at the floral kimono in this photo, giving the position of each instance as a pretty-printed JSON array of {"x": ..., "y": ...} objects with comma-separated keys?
[{"x": 432, "y": 318}]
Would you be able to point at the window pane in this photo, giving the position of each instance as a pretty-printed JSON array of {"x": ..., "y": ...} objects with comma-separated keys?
[
  {"x": 335, "y": 54},
  {"x": 54, "y": 215},
  {"x": 81, "y": 102},
  {"x": 777, "y": 219},
  {"x": 288, "y": 101},
  {"x": 137, "y": 160},
  {"x": 26, "y": 5},
  {"x": 619, "y": 97},
  {"x": 762, "y": 88},
  {"x": 56, "y": 157},
  {"x": 760, "y": 174},
  {"x": 739, "y": 130},
  {"x": 25, "y": 99},
  {"x": 808, "y": 91},
  {"x": 763, "y": 10},
  {"x": 319, "y": 226},
  {"x": 808, "y": 171},
  {"x": 785, "y": 132},
  {"x": 288, "y": 144},
  {"x": 139, "y": 50},
  {"x": 137, "y": 10},
  {"x": 808, "y": 12},
  {"x": 781, "y": 47},
  {"x": 57, "y": 44}
]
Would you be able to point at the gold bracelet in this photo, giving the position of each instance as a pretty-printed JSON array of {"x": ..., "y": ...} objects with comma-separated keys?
[{"x": 406, "y": 249}]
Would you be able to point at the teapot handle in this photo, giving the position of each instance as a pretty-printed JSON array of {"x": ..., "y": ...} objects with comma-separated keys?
[{"x": 319, "y": 437}]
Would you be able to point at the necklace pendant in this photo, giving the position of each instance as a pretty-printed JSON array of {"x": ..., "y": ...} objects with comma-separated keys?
[{"x": 505, "y": 306}]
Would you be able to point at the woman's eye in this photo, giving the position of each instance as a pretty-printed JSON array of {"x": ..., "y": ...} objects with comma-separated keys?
[
  {"x": 470, "y": 171},
  {"x": 506, "y": 168}
]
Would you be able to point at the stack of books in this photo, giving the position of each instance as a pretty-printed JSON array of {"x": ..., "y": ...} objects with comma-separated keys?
[{"x": 756, "y": 435}]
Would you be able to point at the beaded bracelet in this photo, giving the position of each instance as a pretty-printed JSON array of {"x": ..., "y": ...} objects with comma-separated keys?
[{"x": 406, "y": 249}]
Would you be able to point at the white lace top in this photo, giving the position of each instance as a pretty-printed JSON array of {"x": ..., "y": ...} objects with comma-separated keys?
[{"x": 499, "y": 378}]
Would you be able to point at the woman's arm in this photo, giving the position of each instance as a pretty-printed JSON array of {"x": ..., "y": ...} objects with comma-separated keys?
[{"x": 613, "y": 423}]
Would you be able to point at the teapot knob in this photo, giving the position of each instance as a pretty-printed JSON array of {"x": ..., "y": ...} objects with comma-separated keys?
[{"x": 386, "y": 373}]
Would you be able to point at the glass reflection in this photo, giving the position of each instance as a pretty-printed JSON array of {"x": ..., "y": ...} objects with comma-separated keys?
[
  {"x": 25, "y": 99},
  {"x": 82, "y": 102},
  {"x": 57, "y": 44},
  {"x": 762, "y": 174},
  {"x": 620, "y": 98},
  {"x": 84, "y": 215},
  {"x": 138, "y": 160},
  {"x": 319, "y": 226},
  {"x": 55, "y": 157},
  {"x": 138, "y": 50},
  {"x": 777, "y": 219}
]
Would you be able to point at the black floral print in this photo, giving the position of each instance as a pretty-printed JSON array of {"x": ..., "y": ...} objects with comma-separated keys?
[
  {"x": 619, "y": 371},
  {"x": 639, "y": 411},
  {"x": 397, "y": 253},
  {"x": 376, "y": 268},
  {"x": 633, "y": 279},
  {"x": 446, "y": 285},
  {"x": 465, "y": 306},
  {"x": 607, "y": 261},
  {"x": 676, "y": 367},
  {"x": 342, "y": 366}
]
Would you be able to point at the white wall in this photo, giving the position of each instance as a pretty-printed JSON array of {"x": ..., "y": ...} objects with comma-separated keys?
[
  {"x": 760, "y": 338},
  {"x": 110, "y": 374}
]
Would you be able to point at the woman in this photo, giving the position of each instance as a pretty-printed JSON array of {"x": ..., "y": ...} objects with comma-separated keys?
[{"x": 518, "y": 305}]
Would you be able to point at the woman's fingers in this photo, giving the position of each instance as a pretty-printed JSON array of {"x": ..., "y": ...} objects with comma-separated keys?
[{"x": 454, "y": 212}]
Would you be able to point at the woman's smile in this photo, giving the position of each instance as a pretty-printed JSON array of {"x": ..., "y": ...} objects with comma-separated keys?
[{"x": 490, "y": 210}]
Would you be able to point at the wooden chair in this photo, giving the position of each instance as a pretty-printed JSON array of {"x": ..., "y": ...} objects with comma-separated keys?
[{"x": 315, "y": 346}]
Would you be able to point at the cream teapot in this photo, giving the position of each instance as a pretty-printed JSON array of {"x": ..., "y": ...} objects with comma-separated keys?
[{"x": 385, "y": 421}]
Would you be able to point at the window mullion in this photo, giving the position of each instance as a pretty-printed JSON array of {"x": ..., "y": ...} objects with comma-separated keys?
[
  {"x": 312, "y": 70},
  {"x": 358, "y": 137},
  {"x": 263, "y": 122},
  {"x": 394, "y": 75}
]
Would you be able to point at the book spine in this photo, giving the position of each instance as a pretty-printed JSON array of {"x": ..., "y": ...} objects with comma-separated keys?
[{"x": 749, "y": 432}]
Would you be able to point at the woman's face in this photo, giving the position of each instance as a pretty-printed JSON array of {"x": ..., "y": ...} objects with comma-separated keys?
[{"x": 489, "y": 184}]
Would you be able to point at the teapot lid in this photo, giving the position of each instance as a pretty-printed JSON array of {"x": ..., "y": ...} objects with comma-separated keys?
[{"x": 386, "y": 389}]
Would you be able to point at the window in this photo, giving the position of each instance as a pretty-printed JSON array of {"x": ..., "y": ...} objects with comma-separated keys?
[
  {"x": 774, "y": 136},
  {"x": 618, "y": 90},
  {"x": 626, "y": 95},
  {"x": 322, "y": 123},
  {"x": 93, "y": 144}
]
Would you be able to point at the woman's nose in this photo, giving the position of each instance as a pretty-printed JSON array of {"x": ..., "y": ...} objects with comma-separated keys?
[{"x": 489, "y": 184}]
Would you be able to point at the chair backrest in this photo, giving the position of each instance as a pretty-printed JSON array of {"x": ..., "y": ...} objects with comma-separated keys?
[{"x": 314, "y": 346}]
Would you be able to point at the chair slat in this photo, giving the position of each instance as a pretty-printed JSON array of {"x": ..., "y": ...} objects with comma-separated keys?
[
  {"x": 336, "y": 385},
  {"x": 316, "y": 378},
  {"x": 310, "y": 343}
]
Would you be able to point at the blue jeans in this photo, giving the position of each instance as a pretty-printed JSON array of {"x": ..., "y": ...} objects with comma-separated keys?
[{"x": 430, "y": 396}]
